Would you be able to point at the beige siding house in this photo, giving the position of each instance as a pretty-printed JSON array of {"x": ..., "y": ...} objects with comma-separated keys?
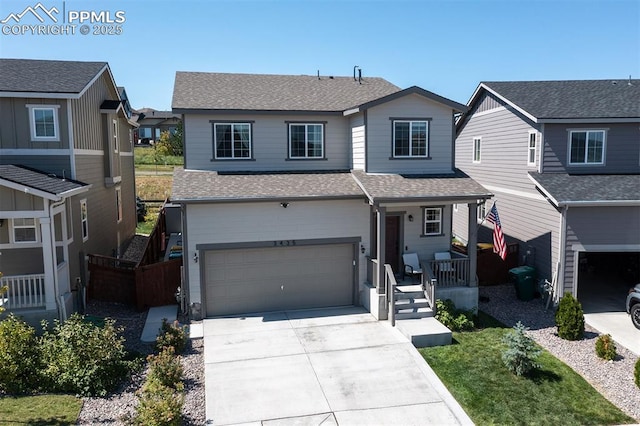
[
  {"x": 306, "y": 191},
  {"x": 66, "y": 178}
]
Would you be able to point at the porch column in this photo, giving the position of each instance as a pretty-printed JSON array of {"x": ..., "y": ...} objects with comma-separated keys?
[
  {"x": 48, "y": 260},
  {"x": 472, "y": 244},
  {"x": 381, "y": 217}
]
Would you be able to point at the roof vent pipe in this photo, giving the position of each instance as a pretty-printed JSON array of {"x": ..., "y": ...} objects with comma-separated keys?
[
  {"x": 318, "y": 74},
  {"x": 630, "y": 80},
  {"x": 354, "y": 72},
  {"x": 359, "y": 76}
]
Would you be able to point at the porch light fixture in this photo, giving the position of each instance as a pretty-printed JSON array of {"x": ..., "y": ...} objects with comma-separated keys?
[
  {"x": 284, "y": 205},
  {"x": 362, "y": 249},
  {"x": 195, "y": 257},
  {"x": 410, "y": 217}
]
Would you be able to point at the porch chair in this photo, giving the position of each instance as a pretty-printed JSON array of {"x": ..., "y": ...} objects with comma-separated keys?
[
  {"x": 444, "y": 266},
  {"x": 411, "y": 265}
]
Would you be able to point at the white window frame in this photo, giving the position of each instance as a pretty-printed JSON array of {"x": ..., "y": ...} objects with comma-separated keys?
[
  {"x": 118, "y": 204},
  {"x": 476, "y": 149},
  {"x": 115, "y": 135},
  {"x": 481, "y": 211},
  {"x": 455, "y": 208},
  {"x": 586, "y": 150},
  {"x": 232, "y": 124},
  {"x": 426, "y": 221},
  {"x": 411, "y": 123},
  {"x": 32, "y": 123},
  {"x": 306, "y": 141},
  {"x": 84, "y": 219},
  {"x": 532, "y": 151},
  {"x": 15, "y": 226}
]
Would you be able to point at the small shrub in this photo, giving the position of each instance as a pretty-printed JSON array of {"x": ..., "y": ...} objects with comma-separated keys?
[
  {"x": 18, "y": 356},
  {"x": 606, "y": 347},
  {"x": 159, "y": 405},
  {"x": 636, "y": 373},
  {"x": 452, "y": 318},
  {"x": 165, "y": 368},
  {"x": 570, "y": 318},
  {"x": 79, "y": 357},
  {"x": 172, "y": 334},
  {"x": 521, "y": 353}
]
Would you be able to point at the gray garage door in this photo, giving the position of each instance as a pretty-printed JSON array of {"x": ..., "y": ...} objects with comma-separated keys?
[{"x": 278, "y": 278}]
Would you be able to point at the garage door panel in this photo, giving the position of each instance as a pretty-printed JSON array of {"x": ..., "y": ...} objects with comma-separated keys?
[{"x": 264, "y": 279}]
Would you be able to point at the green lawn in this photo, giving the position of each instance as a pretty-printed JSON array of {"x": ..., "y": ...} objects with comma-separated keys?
[
  {"x": 148, "y": 155},
  {"x": 39, "y": 410},
  {"x": 472, "y": 370}
]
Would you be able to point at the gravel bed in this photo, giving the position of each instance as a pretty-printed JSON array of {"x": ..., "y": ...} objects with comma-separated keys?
[
  {"x": 613, "y": 379},
  {"x": 121, "y": 404},
  {"x": 135, "y": 249}
]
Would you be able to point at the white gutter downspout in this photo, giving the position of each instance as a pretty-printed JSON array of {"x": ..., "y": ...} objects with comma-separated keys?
[{"x": 61, "y": 309}]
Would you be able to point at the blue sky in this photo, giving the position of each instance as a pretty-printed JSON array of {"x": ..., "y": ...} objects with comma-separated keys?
[{"x": 447, "y": 47}]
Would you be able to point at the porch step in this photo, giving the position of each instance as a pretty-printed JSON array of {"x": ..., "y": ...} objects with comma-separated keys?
[
  {"x": 424, "y": 332},
  {"x": 411, "y": 312},
  {"x": 412, "y": 302}
]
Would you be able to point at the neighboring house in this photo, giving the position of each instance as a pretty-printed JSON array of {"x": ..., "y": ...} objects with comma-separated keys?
[
  {"x": 294, "y": 186},
  {"x": 152, "y": 123},
  {"x": 563, "y": 160},
  {"x": 67, "y": 184}
]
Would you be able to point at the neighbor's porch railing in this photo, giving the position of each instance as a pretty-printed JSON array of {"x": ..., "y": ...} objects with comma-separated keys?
[
  {"x": 451, "y": 273},
  {"x": 429, "y": 284},
  {"x": 24, "y": 292}
]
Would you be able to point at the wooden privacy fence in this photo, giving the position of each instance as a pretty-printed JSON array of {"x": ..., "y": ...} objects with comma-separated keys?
[
  {"x": 145, "y": 284},
  {"x": 114, "y": 280}
]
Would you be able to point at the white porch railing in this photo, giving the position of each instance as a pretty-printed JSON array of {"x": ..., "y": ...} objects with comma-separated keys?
[{"x": 24, "y": 292}]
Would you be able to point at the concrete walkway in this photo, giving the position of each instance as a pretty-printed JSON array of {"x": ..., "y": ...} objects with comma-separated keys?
[
  {"x": 328, "y": 366},
  {"x": 154, "y": 321}
]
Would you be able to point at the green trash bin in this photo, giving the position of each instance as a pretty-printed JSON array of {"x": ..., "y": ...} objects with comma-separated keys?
[{"x": 524, "y": 279}]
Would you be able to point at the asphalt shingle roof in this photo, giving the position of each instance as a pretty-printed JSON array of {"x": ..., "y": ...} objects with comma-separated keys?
[
  {"x": 565, "y": 188},
  {"x": 29, "y": 75},
  {"x": 420, "y": 187},
  {"x": 38, "y": 180},
  {"x": 265, "y": 92},
  {"x": 569, "y": 99},
  {"x": 193, "y": 185}
]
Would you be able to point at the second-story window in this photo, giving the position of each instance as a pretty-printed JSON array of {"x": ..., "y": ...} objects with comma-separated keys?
[
  {"x": 232, "y": 140},
  {"x": 306, "y": 140},
  {"x": 533, "y": 147},
  {"x": 43, "y": 120},
  {"x": 477, "y": 145},
  {"x": 586, "y": 146},
  {"x": 115, "y": 136},
  {"x": 118, "y": 204},
  {"x": 410, "y": 138},
  {"x": 25, "y": 230}
]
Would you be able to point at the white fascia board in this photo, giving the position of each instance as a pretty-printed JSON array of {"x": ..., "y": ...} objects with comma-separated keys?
[
  {"x": 351, "y": 111},
  {"x": 514, "y": 106},
  {"x": 544, "y": 191},
  {"x": 29, "y": 190},
  {"x": 76, "y": 191}
]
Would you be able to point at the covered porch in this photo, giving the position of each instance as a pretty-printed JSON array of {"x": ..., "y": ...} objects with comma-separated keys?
[{"x": 411, "y": 215}]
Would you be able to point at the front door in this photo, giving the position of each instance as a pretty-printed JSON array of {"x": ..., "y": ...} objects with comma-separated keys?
[{"x": 392, "y": 242}]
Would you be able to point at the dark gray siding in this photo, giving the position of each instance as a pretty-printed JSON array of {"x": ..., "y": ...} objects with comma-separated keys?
[
  {"x": 14, "y": 124},
  {"x": 594, "y": 226},
  {"x": 22, "y": 261},
  {"x": 87, "y": 119},
  {"x": 12, "y": 200},
  {"x": 527, "y": 218},
  {"x": 622, "y": 153},
  {"x": 59, "y": 165}
]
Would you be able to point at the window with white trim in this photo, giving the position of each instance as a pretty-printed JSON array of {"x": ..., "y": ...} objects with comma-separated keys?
[
  {"x": 410, "y": 138},
  {"x": 586, "y": 146},
  {"x": 25, "y": 230},
  {"x": 306, "y": 140},
  {"x": 119, "y": 204},
  {"x": 477, "y": 145},
  {"x": 432, "y": 221},
  {"x": 532, "y": 149},
  {"x": 43, "y": 123},
  {"x": 481, "y": 211},
  {"x": 84, "y": 219},
  {"x": 115, "y": 136},
  {"x": 232, "y": 140}
]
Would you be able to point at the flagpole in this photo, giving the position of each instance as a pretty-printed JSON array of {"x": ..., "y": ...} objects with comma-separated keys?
[{"x": 484, "y": 218}]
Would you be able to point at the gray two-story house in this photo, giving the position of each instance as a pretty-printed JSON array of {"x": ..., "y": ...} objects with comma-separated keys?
[
  {"x": 563, "y": 160},
  {"x": 67, "y": 184},
  {"x": 294, "y": 187}
]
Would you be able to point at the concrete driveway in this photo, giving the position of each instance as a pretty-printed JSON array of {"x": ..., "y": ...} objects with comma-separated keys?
[{"x": 326, "y": 366}]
